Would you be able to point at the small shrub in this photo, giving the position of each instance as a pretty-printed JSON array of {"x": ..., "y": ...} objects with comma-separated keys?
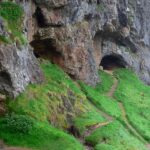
[{"x": 18, "y": 123}]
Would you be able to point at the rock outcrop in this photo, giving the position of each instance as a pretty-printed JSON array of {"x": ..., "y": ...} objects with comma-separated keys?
[
  {"x": 18, "y": 68},
  {"x": 18, "y": 65},
  {"x": 77, "y": 34}
]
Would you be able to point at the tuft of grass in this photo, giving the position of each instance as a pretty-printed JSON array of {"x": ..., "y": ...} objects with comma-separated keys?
[
  {"x": 106, "y": 82},
  {"x": 88, "y": 119},
  {"x": 114, "y": 136},
  {"x": 17, "y": 123},
  {"x": 13, "y": 15},
  {"x": 100, "y": 8},
  {"x": 4, "y": 39},
  {"x": 136, "y": 99}
]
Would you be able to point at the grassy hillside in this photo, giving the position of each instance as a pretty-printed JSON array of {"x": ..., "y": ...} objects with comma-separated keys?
[{"x": 40, "y": 117}]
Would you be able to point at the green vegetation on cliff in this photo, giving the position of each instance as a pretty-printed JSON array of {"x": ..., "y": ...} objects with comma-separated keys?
[
  {"x": 57, "y": 99},
  {"x": 13, "y": 16}
]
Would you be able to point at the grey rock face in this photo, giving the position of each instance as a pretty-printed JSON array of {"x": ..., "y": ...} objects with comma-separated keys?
[
  {"x": 18, "y": 65},
  {"x": 77, "y": 34},
  {"x": 18, "y": 68}
]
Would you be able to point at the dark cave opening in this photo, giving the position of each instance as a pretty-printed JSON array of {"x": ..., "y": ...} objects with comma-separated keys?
[
  {"x": 47, "y": 49},
  {"x": 5, "y": 78},
  {"x": 110, "y": 62},
  {"x": 40, "y": 18}
]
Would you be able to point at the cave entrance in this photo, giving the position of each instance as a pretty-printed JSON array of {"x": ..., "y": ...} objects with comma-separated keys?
[
  {"x": 47, "y": 49},
  {"x": 113, "y": 61}
]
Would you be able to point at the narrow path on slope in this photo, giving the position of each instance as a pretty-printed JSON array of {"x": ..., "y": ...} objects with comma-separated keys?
[
  {"x": 129, "y": 126},
  {"x": 113, "y": 88},
  {"x": 92, "y": 128},
  {"x": 148, "y": 146},
  {"x": 122, "y": 108}
]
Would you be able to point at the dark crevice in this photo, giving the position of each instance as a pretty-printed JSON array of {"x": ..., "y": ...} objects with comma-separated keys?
[
  {"x": 5, "y": 78},
  {"x": 44, "y": 48},
  {"x": 40, "y": 17},
  {"x": 74, "y": 131},
  {"x": 6, "y": 85},
  {"x": 47, "y": 49}
]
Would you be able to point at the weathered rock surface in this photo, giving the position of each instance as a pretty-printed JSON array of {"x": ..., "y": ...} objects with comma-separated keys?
[
  {"x": 77, "y": 34},
  {"x": 18, "y": 68},
  {"x": 18, "y": 65}
]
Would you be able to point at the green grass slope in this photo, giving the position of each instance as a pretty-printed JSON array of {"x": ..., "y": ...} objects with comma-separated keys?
[
  {"x": 114, "y": 137},
  {"x": 40, "y": 135},
  {"x": 98, "y": 96},
  {"x": 57, "y": 101},
  {"x": 136, "y": 99},
  {"x": 38, "y": 117}
]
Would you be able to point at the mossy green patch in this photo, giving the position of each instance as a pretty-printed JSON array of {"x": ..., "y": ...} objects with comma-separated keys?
[
  {"x": 13, "y": 15},
  {"x": 4, "y": 39}
]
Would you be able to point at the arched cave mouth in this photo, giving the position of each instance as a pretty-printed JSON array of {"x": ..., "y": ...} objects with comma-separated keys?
[
  {"x": 45, "y": 49},
  {"x": 113, "y": 61}
]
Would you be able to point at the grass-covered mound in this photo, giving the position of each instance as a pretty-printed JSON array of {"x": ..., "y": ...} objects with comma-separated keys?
[
  {"x": 20, "y": 130},
  {"x": 57, "y": 100},
  {"x": 88, "y": 119},
  {"x": 13, "y": 16},
  {"x": 114, "y": 137},
  {"x": 136, "y": 99}
]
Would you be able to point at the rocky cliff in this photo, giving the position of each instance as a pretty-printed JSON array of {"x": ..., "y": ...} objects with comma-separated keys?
[{"x": 76, "y": 35}]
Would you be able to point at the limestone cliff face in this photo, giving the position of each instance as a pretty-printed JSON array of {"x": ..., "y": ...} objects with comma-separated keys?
[{"x": 76, "y": 35}]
